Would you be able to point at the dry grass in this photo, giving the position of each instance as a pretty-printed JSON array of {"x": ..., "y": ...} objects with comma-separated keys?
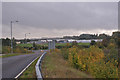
[{"x": 54, "y": 66}]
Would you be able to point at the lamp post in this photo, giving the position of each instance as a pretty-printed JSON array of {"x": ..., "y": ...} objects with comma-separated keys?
[
  {"x": 25, "y": 37},
  {"x": 11, "y": 36}
]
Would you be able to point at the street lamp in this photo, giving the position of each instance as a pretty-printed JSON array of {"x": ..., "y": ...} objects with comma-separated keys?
[
  {"x": 25, "y": 37},
  {"x": 11, "y": 36}
]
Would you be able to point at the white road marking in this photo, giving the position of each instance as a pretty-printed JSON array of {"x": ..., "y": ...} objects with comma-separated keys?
[{"x": 25, "y": 68}]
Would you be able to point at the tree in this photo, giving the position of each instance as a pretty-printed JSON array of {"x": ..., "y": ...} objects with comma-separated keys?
[
  {"x": 6, "y": 42},
  {"x": 74, "y": 43},
  {"x": 35, "y": 46},
  {"x": 103, "y": 36},
  {"x": 105, "y": 42},
  {"x": 92, "y": 42},
  {"x": 14, "y": 42},
  {"x": 116, "y": 34}
]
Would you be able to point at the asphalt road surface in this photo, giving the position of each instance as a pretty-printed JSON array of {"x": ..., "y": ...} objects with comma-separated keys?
[{"x": 12, "y": 66}]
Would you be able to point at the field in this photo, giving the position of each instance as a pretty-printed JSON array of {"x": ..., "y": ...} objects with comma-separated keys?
[
  {"x": 25, "y": 45},
  {"x": 64, "y": 44},
  {"x": 54, "y": 66},
  {"x": 46, "y": 44}
]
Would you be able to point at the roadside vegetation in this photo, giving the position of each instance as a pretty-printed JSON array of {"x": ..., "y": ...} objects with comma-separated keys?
[
  {"x": 93, "y": 60},
  {"x": 100, "y": 60},
  {"x": 55, "y": 66},
  {"x": 17, "y": 50},
  {"x": 7, "y": 49}
]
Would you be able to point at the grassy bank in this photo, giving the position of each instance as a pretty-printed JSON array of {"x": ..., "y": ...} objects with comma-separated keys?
[
  {"x": 54, "y": 66},
  {"x": 30, "y": 72},
  {"x": 14, "y": 54}
]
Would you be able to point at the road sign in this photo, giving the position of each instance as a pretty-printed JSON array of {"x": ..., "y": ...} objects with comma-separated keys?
[{"x": 51, "y": 44}]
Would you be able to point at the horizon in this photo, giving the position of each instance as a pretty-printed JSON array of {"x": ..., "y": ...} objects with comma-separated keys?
[{"x": 60, "y": 37}]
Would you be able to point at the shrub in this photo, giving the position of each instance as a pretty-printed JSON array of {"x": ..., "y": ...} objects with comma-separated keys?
[
  {"x": 72, "y": 57},
  {"x": 92, "y": 42},
  {"x": 65, "y": 53},
  {"x": 6, "y": 49},
  {"x": 93, "y": 61}
]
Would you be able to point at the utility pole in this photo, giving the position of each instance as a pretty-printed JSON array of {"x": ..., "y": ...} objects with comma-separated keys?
[
  {"x": 25, "y": 37},
  {"x": 11, "y": 36},
  {"x": 11, "y": 39}
]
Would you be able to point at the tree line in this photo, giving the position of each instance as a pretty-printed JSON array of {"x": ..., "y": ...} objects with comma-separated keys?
[{"x": 88, "y": 36}]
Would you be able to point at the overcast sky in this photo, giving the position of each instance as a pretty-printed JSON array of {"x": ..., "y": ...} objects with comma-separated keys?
[{"x": 57, "y": 19}]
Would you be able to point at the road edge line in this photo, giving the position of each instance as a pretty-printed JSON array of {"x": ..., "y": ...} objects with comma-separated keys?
[{"x": 25, "y": 68}]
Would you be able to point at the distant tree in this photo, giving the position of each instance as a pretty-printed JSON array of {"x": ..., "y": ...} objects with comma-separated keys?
[
  {"x": 35, "y": 46},
  {"x": 28, "y": 40},
  {"x": 67, "y": 37},
  {"x": 88, "y": 36},
  {"x": 116, "y": 34},
  {"x": 118, "y": 42},
  {"x": 105, "y": 42},
  {"x": 6, "y": 42},
  {"x": 92, "y": 42},
  {"x": 99, "y": 44},
  {"x": 116, "y": 37},
  {"x": 14, "y": 42},
  {"x": 103, "y": 36},
  {"x": 74, "y": 43},
  {"x": 82, "y": 36}
]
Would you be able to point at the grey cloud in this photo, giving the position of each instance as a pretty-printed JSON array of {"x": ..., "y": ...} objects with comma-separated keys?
[{"x": 62, "y": 15}]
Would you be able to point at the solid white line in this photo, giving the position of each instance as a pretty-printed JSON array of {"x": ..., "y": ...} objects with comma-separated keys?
[{"x": 25, "y": 68}]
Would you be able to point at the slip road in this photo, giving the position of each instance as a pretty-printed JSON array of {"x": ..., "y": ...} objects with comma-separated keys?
[{"x": 12, "y": 66}]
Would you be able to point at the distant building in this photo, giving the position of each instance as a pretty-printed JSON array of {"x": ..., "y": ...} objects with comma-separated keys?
[
  {"x": 41, "y": 41},
  {"x": 18, "y": 42},
  {"x": 61, "y": 40},
  {"x": 31, "y": 42}
]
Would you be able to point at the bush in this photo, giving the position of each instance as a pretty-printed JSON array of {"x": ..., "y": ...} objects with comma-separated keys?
[
  {"x": 93, "y": 61},
  {"x": 72, "y": 58},
  {"x": 65, "y": 53},
  {"x": 92, "y": 42},
  {"x": 6, "y": 49},
  {"x": 103, "y": 70}
]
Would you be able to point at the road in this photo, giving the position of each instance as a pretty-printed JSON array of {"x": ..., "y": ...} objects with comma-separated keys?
[{"x": 12, "y": 66}]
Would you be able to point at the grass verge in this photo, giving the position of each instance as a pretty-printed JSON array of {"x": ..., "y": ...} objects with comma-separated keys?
[
  {"x": 54, "y": 66},
  {"x": 30, "y": 72},
  {"x": 14, "y": 54}
]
